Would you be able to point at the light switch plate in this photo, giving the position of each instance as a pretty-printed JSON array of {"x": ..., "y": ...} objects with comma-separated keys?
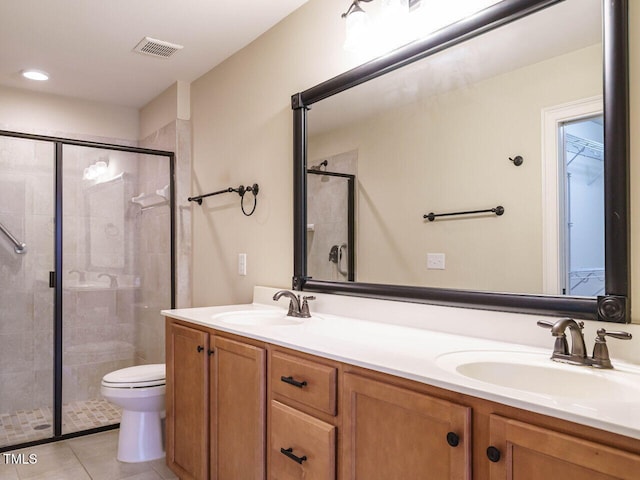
[
  {"x": 242, "y": 264},
  {"x": 435, "y": 261}
]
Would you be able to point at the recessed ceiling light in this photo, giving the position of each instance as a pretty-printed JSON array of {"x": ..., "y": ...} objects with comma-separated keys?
[{"x": 35, "y": 75}]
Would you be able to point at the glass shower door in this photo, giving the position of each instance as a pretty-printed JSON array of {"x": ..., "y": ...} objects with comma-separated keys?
[
  {"x": 116, "y": 272},
  {"x": 27, "y": 236}
]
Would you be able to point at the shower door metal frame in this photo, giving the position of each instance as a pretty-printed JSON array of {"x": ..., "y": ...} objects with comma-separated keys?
[{"x": 59, "y": 143}]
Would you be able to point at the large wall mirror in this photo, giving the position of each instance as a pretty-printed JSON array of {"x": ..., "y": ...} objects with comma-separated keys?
[{"x": 485, "y": 166}]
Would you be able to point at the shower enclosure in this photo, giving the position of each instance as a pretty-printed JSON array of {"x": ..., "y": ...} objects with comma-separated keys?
[
  {"x": 86, "y": 265},
  {"x": 331, "y": 218}
]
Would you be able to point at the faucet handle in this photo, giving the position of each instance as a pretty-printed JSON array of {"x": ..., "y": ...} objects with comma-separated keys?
[
  {"x": 600, "y": 357},
  {"x": 304, "y": 310},
  {"x": 561, "y": 346},
  {"x": 601, "y": 333}
]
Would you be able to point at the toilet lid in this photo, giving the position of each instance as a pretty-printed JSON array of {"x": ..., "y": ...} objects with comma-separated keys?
[{"x": 138, "y": 376}]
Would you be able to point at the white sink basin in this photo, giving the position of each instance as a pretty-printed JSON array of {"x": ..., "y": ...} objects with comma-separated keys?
[
  {"x": 257, "y": 318},
  {"x": 537, "y": 373}
]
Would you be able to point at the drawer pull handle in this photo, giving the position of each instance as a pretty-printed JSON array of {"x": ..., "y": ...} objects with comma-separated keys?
[
  {"x": 289, "y": 453},
  {"x": 293, "y": 382},
  {"x": 494, "y": 454}
]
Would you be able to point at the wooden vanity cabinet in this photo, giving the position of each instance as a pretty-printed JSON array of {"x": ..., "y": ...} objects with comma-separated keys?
[
  {"x": 526, "y": 452},
  {"x": 392, "y": 432},
  {"x": 328, "y": 420},
  {"x": 215, "y": 402}
]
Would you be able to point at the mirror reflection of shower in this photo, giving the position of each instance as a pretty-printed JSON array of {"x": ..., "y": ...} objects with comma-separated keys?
[
  {"x": 330, "y": 217},
  {"x": 338, "y": 255}
]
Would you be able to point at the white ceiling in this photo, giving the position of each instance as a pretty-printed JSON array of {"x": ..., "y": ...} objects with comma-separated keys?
[{"x": 86, "y": 45}]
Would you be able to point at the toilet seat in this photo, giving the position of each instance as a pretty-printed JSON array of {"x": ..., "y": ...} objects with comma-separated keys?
[{"x": 140, "y": 376}]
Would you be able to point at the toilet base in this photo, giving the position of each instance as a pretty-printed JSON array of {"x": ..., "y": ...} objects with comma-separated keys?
[{"x": 140, "y": 438}]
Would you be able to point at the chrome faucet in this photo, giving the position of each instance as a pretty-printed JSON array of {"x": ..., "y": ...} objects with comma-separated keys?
[
  {"x": 296, "y": 309},
  {"x": 578, "y": 353},
  {"x": 113, "y": 279}
]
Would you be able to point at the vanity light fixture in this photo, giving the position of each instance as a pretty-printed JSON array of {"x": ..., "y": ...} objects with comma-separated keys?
[
  {"x": 38, "y": 75},
  {"x": 357, "y": 27},
  {"x": 382, "y": 29},
  {"x": 389, "y": 24}
]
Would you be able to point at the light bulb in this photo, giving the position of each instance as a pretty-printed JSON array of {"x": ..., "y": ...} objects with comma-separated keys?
[
  {"x": 38, "y": 75},
  {"x": 357, "y": 30}
]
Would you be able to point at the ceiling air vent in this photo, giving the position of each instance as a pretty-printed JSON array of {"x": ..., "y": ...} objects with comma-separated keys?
[{"x": 156, "y": 48}]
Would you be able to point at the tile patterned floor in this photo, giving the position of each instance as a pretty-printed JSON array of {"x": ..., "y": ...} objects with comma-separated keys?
[
  {"x": 92, "y": 457},
  {"x": 29, "y": 425}
]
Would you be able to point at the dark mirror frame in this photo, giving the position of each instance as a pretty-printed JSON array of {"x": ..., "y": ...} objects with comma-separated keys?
[{"x": 614, "y": 306}]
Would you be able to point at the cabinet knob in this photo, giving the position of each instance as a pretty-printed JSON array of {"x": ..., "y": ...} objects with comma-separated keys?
[
  {"x": 289, "y": 453},
  {"x": 200, "y": 348},
  {"x": 210, "y": 352},
  {"x": 453, "y": 439},
  {"x": 493, "y": 454}
]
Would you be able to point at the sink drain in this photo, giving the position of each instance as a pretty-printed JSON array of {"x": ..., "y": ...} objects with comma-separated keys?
[{"x": 42, "y": 427}]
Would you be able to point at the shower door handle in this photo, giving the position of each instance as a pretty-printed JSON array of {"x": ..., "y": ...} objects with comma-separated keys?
[
  {"x": 342, "y": 248},
  {"x": 52, "y": 279}
]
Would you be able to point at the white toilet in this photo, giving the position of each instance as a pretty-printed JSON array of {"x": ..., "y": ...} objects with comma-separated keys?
[{"x": 139, "y": 391}]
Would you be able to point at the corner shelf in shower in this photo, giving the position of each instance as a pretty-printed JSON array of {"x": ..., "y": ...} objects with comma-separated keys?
[{"x": 150, "y": 200}]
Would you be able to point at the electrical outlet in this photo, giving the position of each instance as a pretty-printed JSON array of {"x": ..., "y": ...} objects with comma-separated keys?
[
  {"x": 242, "y": 264},
  {"x": 435, "y": 261}
]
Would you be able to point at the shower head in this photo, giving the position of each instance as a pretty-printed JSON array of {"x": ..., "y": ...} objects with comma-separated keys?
[{"x": 319, "y": 166}]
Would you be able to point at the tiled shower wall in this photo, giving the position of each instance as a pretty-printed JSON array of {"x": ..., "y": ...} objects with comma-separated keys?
[
  {"x": 175, "y": 137},
  {"x": 26, "y": 301},
  {"x": 152, "y": 260}
]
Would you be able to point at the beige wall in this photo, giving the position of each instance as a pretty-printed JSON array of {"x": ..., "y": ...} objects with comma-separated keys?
[
  {"x": 174, "y": 103},
  {"x": 41, "y": 113},
  {"x": 242, "y": 134}
]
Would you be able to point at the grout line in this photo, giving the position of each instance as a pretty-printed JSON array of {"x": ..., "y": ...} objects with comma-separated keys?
[{"x": 78, "y": 458}]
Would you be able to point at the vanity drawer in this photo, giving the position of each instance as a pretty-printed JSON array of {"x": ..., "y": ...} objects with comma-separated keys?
[
  {"x": 301, "y": 446},
  {"x": 307, "y": 382}
]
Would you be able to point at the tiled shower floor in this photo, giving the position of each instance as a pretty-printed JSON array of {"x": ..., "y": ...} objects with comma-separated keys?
[{"x": 29, "y": 425}]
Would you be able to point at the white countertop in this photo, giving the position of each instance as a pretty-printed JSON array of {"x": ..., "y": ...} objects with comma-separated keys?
[{"x": 421, "y": 354}]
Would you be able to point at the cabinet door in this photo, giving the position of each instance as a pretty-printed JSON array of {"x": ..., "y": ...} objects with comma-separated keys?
[
  {"x": 391, "y": 432},
  {"x": 187, "y": 399},
  {"x": 238, "y": 399},
  {"x": 527, "y": 452}
]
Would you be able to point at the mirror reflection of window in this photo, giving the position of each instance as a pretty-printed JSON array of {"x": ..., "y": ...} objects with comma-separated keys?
[{"x": 582, "y": 213}]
